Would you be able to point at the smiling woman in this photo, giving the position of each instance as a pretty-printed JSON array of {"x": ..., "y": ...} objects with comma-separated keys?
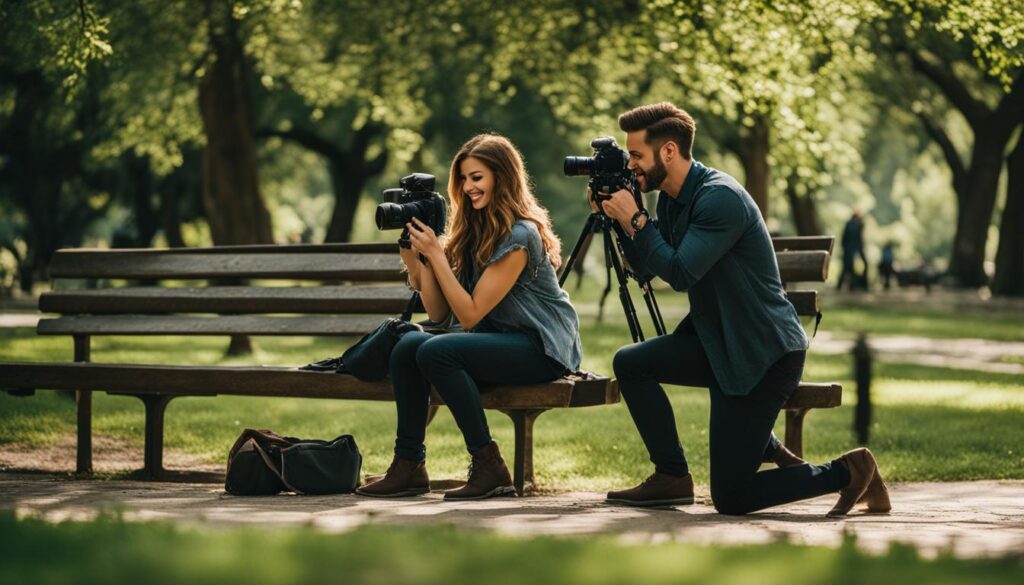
[{"x": 495, "y": 274}]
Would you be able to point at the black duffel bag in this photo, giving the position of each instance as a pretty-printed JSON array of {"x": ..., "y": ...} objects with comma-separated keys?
[{"x": 262, "y": 462}]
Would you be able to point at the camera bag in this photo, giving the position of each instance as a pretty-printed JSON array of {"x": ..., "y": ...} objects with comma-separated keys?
[{"x": 262, "y": 462}]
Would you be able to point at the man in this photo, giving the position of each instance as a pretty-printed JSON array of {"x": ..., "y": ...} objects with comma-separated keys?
[{"x": 742, "y": 338}]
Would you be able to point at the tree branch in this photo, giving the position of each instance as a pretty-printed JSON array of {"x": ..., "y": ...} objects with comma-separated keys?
[
  {"x": 956, "y": 164},
  {"x": 305, "y": 138},
  {"x": 1011, "y": 107},
  {"x": 940, "y": 74}
]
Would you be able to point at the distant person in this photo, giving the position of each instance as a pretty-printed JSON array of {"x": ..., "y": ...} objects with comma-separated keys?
[
  {"x": 853, "y": 247},
  {"x": 886, "y": 269}
]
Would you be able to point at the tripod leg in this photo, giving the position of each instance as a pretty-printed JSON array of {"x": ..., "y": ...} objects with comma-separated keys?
[
  {"x": 628, "y": 308},
  {"x": 652, "y": 307},
  {"x": 607, "y": 285},
  {"x": 587, "y": 233}
]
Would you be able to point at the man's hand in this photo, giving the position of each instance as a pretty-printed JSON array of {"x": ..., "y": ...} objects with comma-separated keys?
[
  {"x": 621, "y": 207},
  {"x": 592, "y": 202}
]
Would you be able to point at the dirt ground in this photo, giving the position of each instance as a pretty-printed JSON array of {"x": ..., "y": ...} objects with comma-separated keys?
[{"x": 966, "y": 519}]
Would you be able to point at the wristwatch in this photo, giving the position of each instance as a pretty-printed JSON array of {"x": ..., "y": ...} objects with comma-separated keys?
[{"x": 634, "y": 222}]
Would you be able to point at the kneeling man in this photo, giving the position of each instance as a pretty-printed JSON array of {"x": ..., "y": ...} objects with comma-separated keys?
[{"x": 742, "y": 338}]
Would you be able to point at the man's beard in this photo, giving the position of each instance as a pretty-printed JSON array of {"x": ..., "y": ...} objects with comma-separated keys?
[{"x": 655, "y": 176}]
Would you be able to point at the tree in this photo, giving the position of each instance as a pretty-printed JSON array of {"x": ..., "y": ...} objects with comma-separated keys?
[
  {"x": 973, "y": 58},
  {"x": 47, "y": 126}
]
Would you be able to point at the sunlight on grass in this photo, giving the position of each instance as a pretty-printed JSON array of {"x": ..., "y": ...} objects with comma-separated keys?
[{"x": 111, "y": 551}]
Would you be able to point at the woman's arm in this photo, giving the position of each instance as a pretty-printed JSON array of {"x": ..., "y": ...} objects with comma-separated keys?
[
  {"x": 432, "y": 296},
  {"x": 412, "y": 265},
  {"x": 494, "y": 284}
]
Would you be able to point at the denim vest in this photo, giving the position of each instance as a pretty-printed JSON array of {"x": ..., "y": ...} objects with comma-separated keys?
[{"x": 535, "y": 305}]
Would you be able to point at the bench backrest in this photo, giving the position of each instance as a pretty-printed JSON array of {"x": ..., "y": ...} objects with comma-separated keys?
[{"x": 355, "y": 287}]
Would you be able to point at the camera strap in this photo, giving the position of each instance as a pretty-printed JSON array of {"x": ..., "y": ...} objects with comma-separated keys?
[{"x": 414, "y": 300}]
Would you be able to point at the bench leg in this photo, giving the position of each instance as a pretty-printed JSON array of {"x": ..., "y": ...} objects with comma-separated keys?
[
  {"x": 83, "y": 455},
  {"x": 795, "y": 431},
  {"x": 431, "y": 413},
  {"x": 522, "y": 421},
  {"x": 83, "y": 408},
  {"x": 156, "y": 405}
]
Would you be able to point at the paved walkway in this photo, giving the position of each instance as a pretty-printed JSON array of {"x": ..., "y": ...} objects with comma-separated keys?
[{"x": 967, "y": 519}]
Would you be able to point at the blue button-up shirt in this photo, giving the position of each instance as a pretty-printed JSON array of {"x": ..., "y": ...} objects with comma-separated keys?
[{"x": 721, "y": 254}]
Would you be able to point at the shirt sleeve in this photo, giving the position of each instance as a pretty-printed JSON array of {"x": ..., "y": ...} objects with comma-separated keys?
[
  {"x": 524, "y": 236},
  {"x": 718, "y": 220},
  {"x": 629, "y": 250}
]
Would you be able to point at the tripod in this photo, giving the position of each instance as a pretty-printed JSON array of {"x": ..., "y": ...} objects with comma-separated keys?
[{"x": 598, "y": 222}]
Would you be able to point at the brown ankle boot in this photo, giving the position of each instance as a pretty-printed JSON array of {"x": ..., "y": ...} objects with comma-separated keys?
[
  {"x": 488, "y": 477},
  {"x": 862, "y": 467},
  {"x": 404, "y": 478},
  {"x": 876, "y": 496},
  {"x": 783, "y": 457},
  {"x": 660, "y": 489}
]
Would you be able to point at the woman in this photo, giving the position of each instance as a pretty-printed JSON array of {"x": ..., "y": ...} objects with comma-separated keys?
[{"x": 495, "y": 272}]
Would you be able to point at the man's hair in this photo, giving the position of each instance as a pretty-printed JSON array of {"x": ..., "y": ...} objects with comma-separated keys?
[{"x": 663, "y": 121}]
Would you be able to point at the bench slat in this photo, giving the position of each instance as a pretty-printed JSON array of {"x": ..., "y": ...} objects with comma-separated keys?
[
  {"x": 809, "y": 395},
  {"x": 257, "y": 381},
  {"x": 799, "y": 243},
  {"x": 805, "y": 302},
  {"x": 803, "y": 266},
  {"x": 347, "y": 247},
  {"x": 228, "y": 299},
  {"x": 330, "y": 325},
  {"x": 184, "y": 265}
]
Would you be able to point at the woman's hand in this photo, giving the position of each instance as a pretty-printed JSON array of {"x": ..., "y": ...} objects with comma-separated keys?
[{"x": 424, "y": 241}]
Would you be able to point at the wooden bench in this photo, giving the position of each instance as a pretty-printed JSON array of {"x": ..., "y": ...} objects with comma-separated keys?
[
  {"x": 805, "y": 259},
  {"x": 371, "y": 290}
]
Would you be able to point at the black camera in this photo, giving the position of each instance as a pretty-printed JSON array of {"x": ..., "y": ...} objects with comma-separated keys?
[
  {"x": 608, "y": 169},
  {"x": 415, "y": 198}
]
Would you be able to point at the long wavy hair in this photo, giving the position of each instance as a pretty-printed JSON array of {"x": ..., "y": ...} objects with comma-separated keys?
[{"x": 472, "y": 233}]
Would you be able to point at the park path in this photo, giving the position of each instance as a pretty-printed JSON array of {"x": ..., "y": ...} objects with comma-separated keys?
[{"x": 966, "y": 519}]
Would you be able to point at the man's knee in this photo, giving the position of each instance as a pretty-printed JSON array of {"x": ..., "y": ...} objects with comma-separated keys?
[
  {"x": 629, "y": 362},
  {"x": 729, "y": 500}
]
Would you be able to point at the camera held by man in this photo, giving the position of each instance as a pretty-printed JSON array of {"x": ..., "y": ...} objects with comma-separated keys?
[{"x": 608, "y": 169}]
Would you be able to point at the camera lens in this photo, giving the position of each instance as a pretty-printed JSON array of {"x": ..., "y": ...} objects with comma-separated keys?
[
  {"x": 577, "y": 165},
  {"x": 390, "y": 216}
]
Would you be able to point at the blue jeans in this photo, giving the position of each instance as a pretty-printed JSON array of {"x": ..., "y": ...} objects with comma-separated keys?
[
  {"x": 459, "y": 366},
  {"x": 740, "y": 428}
]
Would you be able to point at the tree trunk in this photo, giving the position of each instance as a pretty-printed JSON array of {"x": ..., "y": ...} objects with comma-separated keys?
[
  {"x": 231, "y": 191},
  {"x": 348, "y": 187},
  {"x": 804, "y": 209},
  {"x": 967, "y": 263},
  {"x": 140, "y": 182},
  {"x": 753, "y": 150},
  {"x": 170, "y": 217},
  {"x": 1009, "y": 277},
  {"x": 348, "y": 168}
]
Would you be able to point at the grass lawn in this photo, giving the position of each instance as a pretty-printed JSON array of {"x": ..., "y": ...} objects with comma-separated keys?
[
  {"x": 929, "y": 423},
  {"x": 109, "y": 551}
]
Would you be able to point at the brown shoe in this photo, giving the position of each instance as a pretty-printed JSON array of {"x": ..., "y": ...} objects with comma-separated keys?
[
  {"x": 862, "y": 467},
  {"x": 783, "y": 457},
  {"x": 488, "y": 477},
  {"x": 405, "y": 477},
  {"x": 876, "y": 496},
  {"x": 660, "y": 489}
]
